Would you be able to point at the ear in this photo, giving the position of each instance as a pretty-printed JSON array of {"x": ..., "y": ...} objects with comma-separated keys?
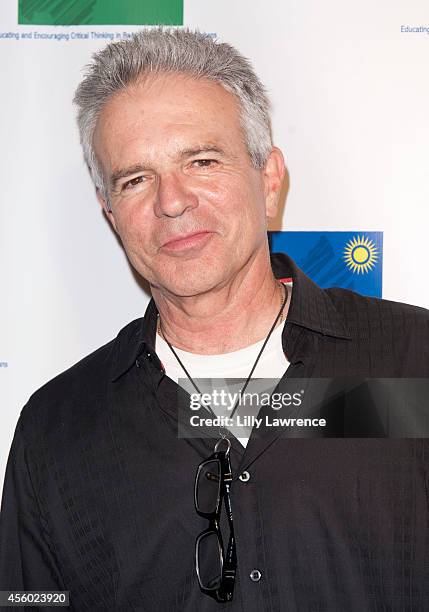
[
  {"x": 273, "y": 174},
  {"x": 107, "y": 212}
]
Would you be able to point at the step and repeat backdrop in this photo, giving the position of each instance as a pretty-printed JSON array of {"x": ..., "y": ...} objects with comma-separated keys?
[{"x": 350, "y": 94}]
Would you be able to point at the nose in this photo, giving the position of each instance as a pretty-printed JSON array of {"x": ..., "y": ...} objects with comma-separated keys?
[{"x": 173, "y": 197}]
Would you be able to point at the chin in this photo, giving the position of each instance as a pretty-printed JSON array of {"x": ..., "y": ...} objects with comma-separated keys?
[
  {"x": 186, "y": 287},
  {"x": 189, "y": 282}
]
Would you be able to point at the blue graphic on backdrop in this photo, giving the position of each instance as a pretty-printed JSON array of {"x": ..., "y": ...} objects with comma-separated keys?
[{"x": 352, "y": 260}]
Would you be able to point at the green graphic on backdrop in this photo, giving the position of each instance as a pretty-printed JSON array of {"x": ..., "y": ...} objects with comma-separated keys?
[{"x": 100, "y": 12}]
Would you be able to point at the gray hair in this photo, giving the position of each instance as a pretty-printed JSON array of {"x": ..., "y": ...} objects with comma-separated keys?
[{"x": 176, "y": 50}]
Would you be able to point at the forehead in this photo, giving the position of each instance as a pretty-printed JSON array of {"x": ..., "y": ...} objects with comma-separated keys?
[{"x": 169, "y": 109}]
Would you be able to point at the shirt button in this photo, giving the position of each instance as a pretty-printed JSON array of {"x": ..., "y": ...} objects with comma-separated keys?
[
  {"x": 244, "y": 477},
  {"x": 255, "y": 575}
]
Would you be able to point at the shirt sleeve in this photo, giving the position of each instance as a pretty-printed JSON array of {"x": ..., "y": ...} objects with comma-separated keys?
[{"x": 27, "y": 560}]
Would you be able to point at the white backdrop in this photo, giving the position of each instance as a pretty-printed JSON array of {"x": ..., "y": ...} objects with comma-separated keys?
[{"x": 350, "y": 95}]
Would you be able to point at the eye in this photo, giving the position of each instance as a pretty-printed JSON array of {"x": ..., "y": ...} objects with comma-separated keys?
[
  {"x": 204, "y": 163},
  {"x": 133, "y": 182}
]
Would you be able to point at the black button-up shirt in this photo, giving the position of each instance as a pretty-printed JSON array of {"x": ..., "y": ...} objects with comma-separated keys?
[{"x": 98, "y": 495}]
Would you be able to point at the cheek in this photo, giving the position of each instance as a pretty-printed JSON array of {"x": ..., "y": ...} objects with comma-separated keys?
[
  {"x": 233, "y": 198},
  {"x": 133, "y": 227},
  {"x": 244, "y": 210}
]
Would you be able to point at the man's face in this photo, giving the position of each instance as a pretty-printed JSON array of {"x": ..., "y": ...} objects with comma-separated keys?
[{"x": 186, "y": 202}]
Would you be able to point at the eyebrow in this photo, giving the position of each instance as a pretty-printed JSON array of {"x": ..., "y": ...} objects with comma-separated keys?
[
  {"x": 185, "y": 153},
  {"x": 199, "y": 150}
]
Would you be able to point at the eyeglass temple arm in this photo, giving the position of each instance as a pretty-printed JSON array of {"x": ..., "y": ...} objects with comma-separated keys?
[{"x": 230, "y": 560}]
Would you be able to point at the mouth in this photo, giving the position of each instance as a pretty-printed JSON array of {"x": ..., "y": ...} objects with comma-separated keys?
[{"x": 188, "y": 241}]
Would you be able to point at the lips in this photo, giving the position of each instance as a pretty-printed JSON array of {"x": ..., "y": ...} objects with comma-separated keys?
[{"x": 187, "y": 241}]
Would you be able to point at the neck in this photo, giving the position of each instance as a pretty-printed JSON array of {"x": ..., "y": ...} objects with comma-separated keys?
[{"x": 226, "y": 318}]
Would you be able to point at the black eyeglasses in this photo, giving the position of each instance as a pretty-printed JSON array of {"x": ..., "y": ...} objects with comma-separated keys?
[{"x": 215, "y": 569}]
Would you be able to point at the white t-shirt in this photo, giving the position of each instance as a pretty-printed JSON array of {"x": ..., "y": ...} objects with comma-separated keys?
[{"x": 238, "y": 364}]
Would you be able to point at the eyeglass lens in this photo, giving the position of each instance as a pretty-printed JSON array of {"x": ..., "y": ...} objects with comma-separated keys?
[
  {"x": 209, "y": 561},
  {"x": 208, "y": 486}
]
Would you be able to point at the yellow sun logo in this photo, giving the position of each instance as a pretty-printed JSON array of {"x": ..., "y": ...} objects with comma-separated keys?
[{"x": 360, "y": 254}]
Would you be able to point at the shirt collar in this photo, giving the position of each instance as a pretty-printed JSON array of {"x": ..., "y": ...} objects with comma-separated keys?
[{"x": 311, "y": 307}]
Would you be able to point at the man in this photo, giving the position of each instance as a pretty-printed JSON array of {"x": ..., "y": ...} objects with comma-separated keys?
[{"x": 99, "y": 491}]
